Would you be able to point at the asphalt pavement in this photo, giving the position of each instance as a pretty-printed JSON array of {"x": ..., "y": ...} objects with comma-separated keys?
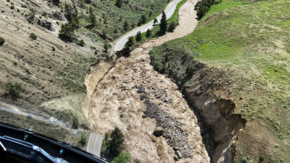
[
  {"x": 120, "y": 43},
  {"x": 94, "y": 144}
]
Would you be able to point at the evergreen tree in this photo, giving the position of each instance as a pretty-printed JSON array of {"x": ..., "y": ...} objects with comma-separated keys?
[
  {"x": 155, "y": 22},
  {"x": 104, "y": 34},
  {"x": 68, "y": 11},
  {"x": 115, "y": 31},
  {"x": 143, "y": 19},
  {"x": 75, "y": 9},
  {"x": 117, "y": 139},
  {"x": 126, "y": 25},
  {"x": 106, "y": 47},
  {"x": 148, "y": 33},
  {"x": 139, "y": 36},
  {"x": 163, "y": 23},
  {"x": 92, "y": 16},
  {"x": 172, "y": 26},
  {"x": 130, "y": 42},
  {"x": 119, "y": 3}
]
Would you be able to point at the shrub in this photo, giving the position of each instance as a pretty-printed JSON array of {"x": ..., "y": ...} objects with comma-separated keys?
[
  {"x": 44, "y": 14},
  {"x": 75, "y": 123},
  {"x": 32, "y": 36},
  {"x": 83, "y": 138},
  {"x": 18, "y": 10},
  {"x": 2, "y": 11},
  {"x": 189, "y": 70},
  {"x": 8, "y": 0},
  {"x": 123, "y": 158},
  {"x": 15, "y": 63},
  {"x": 53, "y": 49},
  {"x": 2, "y": 41},
  {"x": 81, "y": 43},
  {"x": 42, "y": 87},
  {"x": 27, "y": 71},
  {"x": 12, "y": 7},
  {"x": 261, "y": 158},
  {"x": 13, "y": 89},
  {"x": 172, "y": 26},
  {"x": 106, "y": 47}
]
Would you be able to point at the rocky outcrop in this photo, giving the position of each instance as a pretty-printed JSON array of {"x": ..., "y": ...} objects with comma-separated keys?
[
  {"x": 57, "y": 16},
  {"x": 169, "y": 128},
  {"x": 47, "y": 24},
  {"x": 212, "y": 102}
]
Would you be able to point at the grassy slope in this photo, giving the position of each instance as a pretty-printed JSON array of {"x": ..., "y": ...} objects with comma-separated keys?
[{"x": 253, "y": 41}]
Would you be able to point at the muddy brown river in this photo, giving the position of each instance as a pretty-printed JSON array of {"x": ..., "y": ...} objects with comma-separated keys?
[{"x": 138, "y": 100}]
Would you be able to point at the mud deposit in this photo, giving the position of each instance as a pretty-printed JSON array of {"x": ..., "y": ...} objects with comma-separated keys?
[
  {"x": 157, "y": 122},
  {"x": 125, "y": 94}
]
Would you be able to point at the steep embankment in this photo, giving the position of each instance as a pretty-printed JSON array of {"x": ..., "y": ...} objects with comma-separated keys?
[
  {"x": 135, "y": 98},
  {"x": 239, "y": 58},
  {"x": 208, "y": 90}
]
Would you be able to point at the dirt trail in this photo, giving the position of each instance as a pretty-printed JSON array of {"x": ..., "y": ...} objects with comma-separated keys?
[{"x": 119, "y": 100}]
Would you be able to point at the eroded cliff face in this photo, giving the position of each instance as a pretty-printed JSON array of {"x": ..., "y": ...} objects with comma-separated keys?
[
  {"x": 208, "y": 91},
  {"x": 93, "y": 77}
]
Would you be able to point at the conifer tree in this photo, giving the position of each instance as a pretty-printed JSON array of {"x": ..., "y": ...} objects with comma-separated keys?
[
  {"x": 117, "y": 139},
  {"x": 130, "y": 42},
  {"x": 119, "y": 3},
  {"x": 139, "y": 36},
  {"x": 115, "y": 31},
  {"x": 148, "y": 33},
  {"x": 126, "y": 25},
  {"x": 92, "y": 16},
  {"x": 163, "y": 23},
  {"x": 155, "y": 22}
]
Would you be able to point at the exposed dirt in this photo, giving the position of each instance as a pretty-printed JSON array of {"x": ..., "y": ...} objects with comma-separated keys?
[{"x": 119, "y": 100}]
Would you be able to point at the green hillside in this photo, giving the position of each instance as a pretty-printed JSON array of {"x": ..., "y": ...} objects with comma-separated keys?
[{"x": 251, "y": 41}]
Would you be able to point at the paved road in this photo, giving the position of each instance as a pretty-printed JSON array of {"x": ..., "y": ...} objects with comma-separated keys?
[
  {"x": 119, "y": 44},
  {"x": 94, "y": 144}
]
